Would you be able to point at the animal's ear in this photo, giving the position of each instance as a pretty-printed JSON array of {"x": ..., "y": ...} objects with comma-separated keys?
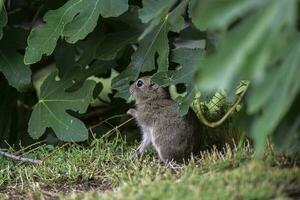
[
  {"x": 148, "y": 80},
  {"x": 153, "y": 85}
]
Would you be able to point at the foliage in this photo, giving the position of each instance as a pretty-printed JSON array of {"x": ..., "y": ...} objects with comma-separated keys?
[
  {"x": 251, "y": 50},
  {"x": 52, "y": 105},
  {"x": 200, "y": 46}
]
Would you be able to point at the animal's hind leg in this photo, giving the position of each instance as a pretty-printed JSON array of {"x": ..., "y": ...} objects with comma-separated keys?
[{"x": 146, "y": 142}]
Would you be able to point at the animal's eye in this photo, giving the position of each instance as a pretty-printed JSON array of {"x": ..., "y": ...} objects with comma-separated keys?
[{"x": 140, "y": 83}]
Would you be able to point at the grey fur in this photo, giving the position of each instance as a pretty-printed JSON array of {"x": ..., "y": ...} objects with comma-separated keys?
[{"x": 174, "y": 137}]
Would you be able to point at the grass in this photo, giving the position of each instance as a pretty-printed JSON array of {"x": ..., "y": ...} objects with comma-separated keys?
[{"x": 103, "y": 171}]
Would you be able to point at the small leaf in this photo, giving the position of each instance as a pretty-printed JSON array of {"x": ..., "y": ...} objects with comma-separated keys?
[
  {"x": 186, "y": 101},
  {"x": 217, "y": 102},
  {"x": 54, "y": 101},
  {"x": 3, "y": 17}
]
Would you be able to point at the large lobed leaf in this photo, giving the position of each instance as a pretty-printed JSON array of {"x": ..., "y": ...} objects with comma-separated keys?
[
  {"x": 284, "y": 80},
  {"x": 187, "y": 58},
  {"x": 154, "y": 42},
  {"x": 247, "y": 49},
  {"x": 74, "y": 20},
  {"x": 54, "y": 101},
  {"x": 86, "y": 20},
  {"x": 77, "y": 60},
  {"x": 42, "y": 40},
  {"x": 74, "y": 57},
  {"x": 127, "y": 30},
  {"x": 251, "y": 50}
]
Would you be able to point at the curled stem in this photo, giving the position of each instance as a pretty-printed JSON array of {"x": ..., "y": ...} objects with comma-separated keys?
[{"x": 220, "y": 121}]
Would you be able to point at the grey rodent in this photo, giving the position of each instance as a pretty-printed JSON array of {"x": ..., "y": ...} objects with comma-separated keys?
[{"x": 174, "y": 137}]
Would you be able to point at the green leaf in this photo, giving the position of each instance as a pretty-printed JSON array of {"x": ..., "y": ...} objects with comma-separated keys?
[
  {"x": 143, "y": 60},
  {"x": 77, "y": 62},
  {"x": 80, "y": 74},
  {"x": 153, "y": 8},
  {"x": 275, "y": 109},
  {"x": 287, "y": 134},
  {"x": 42, "y": 40},
  {"x": 84, "y": 22},
  {"x": 65, "y": 55},
  {"x": 261, "y": 94},
  {"x": 240, "y": 52},
  {"x": 88, "y": 47},
  {"x": 87, "y": 19},
  {"x": 293, "y": 137},
  {"x": 155, "y": 42},
  {"x": 187, "y": 58},
  {"x": 3, "y": 17},
  {"x": 11, "y": 65},
  {"x": 174, "y": 18},
  {"x": 54, "y": 101},
  {"x": 219, "y": 14},
  {"x": 69, "y": 57},
  {"x": 113, "y": 8},
  {"x": 74, "y": 21},
  {"x": 113, "y": 43},
  {"x": 186, "y": 101},
  {"x": 11, "y": 61}
]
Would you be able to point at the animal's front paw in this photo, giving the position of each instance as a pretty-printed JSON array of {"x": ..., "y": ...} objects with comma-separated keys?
[{"x": 132, "y": 112}]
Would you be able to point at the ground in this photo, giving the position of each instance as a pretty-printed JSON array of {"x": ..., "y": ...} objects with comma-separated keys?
[{"x": 103, "y": 170}]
